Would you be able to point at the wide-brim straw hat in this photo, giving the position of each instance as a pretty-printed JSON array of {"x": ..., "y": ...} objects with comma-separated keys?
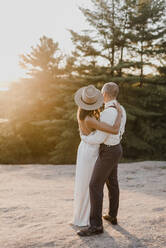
[{"x": 89, "y": 98}]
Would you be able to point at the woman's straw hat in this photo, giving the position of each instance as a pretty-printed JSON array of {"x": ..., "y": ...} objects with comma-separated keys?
[{"x": 89, "y": 98}]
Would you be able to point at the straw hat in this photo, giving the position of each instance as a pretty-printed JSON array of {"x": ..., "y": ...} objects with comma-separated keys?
[{"x": 89, "y": 98}]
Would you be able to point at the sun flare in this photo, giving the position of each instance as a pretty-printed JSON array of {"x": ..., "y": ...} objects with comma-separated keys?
[{"x": 25, "y": 22}]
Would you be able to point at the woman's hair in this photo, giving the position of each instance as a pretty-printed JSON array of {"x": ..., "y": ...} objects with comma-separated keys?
[{"x": 82, "y": 113}]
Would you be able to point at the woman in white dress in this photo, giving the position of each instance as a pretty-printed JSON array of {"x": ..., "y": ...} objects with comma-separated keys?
[{"x": 89, "y": 100}]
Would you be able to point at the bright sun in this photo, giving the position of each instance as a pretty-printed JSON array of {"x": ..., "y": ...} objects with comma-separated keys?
[
  {"x": 23, "y": 22},
  {"x": 10, "y": 70}
]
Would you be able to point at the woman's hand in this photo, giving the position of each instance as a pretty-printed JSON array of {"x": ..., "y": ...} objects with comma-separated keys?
[{"x": 118, "y": 107}]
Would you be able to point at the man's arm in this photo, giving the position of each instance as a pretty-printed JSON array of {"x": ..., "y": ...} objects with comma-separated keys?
[{"x": 99, "y": 137}]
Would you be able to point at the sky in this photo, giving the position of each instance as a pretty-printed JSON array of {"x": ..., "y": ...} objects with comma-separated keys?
[{"x": 23, "y": 22}]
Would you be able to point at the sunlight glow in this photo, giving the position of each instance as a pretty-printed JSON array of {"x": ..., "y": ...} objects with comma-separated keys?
[{"x": 23, "y": 22}]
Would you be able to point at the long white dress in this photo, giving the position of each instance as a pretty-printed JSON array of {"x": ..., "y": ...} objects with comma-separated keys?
[{"x": 86, "y": 158}]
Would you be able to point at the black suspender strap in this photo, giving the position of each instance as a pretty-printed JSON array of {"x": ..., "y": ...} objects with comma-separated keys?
[{"x": 119, "y": 130}]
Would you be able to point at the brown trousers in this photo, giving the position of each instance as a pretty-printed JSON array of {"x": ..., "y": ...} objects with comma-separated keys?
[{"x": 105, "y": 171}]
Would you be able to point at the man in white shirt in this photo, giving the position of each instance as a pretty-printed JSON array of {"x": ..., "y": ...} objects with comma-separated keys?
[{"x": 106, "y": 166}]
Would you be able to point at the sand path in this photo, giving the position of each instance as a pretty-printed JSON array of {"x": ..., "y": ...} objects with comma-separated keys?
[{"x": 36, "y": 207}]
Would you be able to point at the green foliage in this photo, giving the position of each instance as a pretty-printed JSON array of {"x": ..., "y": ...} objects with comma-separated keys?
[
  {"x": 124, "y": 37},
  {"x": 46, "y": 57},
  {"x": 13, "y": 148},
  {"x": 145, "y": 136}
]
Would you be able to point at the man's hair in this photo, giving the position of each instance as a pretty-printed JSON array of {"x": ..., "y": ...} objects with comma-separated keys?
[{"x": 112, "y": 89}]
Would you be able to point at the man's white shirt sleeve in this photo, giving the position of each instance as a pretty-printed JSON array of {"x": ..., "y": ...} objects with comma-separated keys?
[{"x": 98, "y": 137}]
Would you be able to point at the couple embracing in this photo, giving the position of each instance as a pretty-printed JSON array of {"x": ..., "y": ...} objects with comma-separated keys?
[{"x": 98, "y": 155}]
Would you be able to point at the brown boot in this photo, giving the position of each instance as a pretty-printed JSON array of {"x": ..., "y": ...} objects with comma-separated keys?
[
  {"x": 90, "y": 231},
  {"x": 112, "y": 220}
]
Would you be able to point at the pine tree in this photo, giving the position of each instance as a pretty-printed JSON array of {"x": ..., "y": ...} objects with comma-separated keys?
[
  {"x": 43, "y": 111},
  {"x": 141, "y": 29},
  {"x": 146, "y": 29},
  {"x": 105, "y": 42},
  {"x": 45, "y": 57},
  {"x": 47, "y": 113}
]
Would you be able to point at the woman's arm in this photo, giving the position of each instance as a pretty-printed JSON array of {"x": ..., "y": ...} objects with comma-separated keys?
[{"x": 102, "y": 126}]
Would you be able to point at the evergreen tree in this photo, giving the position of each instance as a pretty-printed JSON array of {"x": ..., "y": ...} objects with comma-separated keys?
[
  {"x": 44, "y": 113},
  {"x": 133, "y": 28},
  {"x": 122, "y": 39},
  {"x": 147, "y": 28},
  {"x": 45, "y": 57},
  {"x": 105, "y": 43},
  {"x": 118, "y": 45}
]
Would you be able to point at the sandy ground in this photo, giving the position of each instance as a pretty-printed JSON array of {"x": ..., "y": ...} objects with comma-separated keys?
[{"x": 36, "y": 208}]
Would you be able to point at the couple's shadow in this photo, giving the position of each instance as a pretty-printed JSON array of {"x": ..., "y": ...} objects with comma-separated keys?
[{"x": 132, "y": 240}]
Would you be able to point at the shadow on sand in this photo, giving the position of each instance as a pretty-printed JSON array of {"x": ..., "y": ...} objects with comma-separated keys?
[{"x": 106, "y": 240}]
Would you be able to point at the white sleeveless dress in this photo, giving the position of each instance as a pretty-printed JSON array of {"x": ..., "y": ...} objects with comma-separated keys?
[{"x": 86, "y": 158}]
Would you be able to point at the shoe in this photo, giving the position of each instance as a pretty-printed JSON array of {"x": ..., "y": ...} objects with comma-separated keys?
[
  {"x": 90, "y": 231},
  {"x": 112, "y": 220}
]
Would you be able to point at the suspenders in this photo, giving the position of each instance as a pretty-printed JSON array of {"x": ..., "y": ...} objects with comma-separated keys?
[{"x": 120, "y": 129}]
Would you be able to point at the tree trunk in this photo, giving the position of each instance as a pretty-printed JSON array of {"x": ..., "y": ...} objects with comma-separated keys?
[
  {"x": 142, "y": 72},
  {"x": 122, "y": 47},
  {"x": 113, "y": 40}
]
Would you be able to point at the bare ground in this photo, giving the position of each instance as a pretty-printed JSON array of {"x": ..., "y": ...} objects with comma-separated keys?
[{"x": 36, "y": 203}]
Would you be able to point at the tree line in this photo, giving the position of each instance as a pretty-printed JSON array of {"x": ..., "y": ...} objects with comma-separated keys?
[{"x": 126, "y": 43}]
